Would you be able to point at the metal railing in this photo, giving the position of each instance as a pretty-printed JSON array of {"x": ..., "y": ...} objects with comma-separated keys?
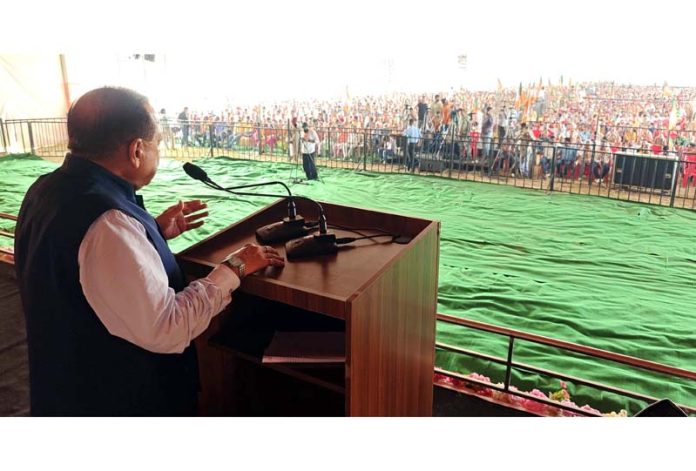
[
  {"x": 3, "y": 138},
  {"x": 510, "y": 364},
  {"x": 589, "y": 168},
  {"x": 44, "y": 137}
]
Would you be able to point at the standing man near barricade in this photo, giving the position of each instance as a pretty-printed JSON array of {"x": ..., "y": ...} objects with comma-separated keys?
[
  {"x": 412, "y": 134},
  {"x": 436, "y": 113},
  {"x": 524, "y": 141},
  {"x": 465, "y": 133},
  {"x": 503, "y": 124},
  {"x": 487, "y": 133},
  {"x": 422, "y": 111},
  {"x": 446, "y": 115},
  {"x": 110, "y": 316},
  {"x": 309, "y": 145},
  {"x": 184, "y": 122}
]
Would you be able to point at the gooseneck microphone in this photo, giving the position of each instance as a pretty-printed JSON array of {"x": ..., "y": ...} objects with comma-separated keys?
[
  {"x": 321, "y": 243},
  {"x": 197, "y": 173},
  {"x": 291, "y": 227}
]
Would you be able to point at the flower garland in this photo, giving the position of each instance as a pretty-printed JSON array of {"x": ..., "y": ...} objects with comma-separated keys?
[{"x": 562, "y": 396}]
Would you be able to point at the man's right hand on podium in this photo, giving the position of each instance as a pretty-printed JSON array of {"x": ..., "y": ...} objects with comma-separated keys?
[{"x": 252, "y": 258}]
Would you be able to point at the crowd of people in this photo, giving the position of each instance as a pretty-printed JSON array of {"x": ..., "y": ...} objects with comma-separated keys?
[{"x": 603, "y": 117}]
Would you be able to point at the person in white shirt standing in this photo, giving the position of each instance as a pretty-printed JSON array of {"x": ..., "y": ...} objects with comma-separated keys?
[
  {"x": 110, "y": 317},
  {"x": 413, "y": 135},
  {"x": 309, "y": 145}
]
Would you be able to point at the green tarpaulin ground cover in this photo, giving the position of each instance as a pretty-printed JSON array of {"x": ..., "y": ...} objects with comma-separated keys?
[{"x": 607, "y": 274}]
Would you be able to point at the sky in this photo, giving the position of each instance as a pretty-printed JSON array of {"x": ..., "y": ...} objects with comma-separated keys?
[{"x": 271, "y": 50}]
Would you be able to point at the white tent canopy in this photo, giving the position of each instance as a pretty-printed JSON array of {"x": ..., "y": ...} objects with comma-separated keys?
[{"x": 31, "y": 86}]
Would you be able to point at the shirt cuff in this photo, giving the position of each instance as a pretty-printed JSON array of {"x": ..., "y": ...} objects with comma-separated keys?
[{"x": 226, "y": 279}]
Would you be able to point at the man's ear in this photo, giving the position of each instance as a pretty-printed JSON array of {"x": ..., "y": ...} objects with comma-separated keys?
[{"x": 135, "y": 152}]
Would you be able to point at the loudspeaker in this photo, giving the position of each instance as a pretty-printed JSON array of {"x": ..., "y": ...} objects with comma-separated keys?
[
  {"x": 662, "y": 408},
  {"x": 644, "y": 171}
]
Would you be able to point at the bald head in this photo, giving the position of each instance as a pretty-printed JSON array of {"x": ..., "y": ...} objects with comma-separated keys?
[{"x": 104, "y": 120}]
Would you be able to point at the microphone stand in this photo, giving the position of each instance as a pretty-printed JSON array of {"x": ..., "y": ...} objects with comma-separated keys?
[
  {"x": 291, "y": 227},
  {"x": 297, "y": 145}
]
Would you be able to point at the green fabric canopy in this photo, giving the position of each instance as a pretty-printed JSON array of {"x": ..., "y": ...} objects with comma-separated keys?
[{"x": 612, "y": 275}]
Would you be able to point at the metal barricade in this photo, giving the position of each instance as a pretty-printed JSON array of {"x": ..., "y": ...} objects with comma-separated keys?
[
  {"x": 589, "y": 168},
  {"x": 509, "y": 364}
]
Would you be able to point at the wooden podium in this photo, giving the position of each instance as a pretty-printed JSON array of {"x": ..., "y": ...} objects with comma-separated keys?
[{"x": 383, "y": 294}]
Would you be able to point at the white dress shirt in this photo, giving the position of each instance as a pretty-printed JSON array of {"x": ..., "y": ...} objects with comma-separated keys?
[
  {"x": 310, "y": 146},
  {"x": 124, "y": 281}
]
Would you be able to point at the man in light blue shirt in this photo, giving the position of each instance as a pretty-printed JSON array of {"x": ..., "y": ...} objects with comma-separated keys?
[{"x": 413, "y": 135}]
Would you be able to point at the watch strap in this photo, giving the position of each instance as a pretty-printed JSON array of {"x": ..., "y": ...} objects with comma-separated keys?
[{"x": 236, "y": 263}]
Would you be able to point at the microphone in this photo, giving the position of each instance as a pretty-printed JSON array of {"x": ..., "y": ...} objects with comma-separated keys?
[
  {"x": 290, "y": 227},
  {"x": 311, "y": 245},
  {"x": 321, "y": 243},
  {"x": 195, "y": 172}
]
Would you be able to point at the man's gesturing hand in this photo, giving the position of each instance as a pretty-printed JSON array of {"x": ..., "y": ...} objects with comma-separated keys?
[{"x": 181, "y": 217}]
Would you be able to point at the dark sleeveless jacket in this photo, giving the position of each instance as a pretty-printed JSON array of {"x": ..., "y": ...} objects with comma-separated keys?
[{"x": 76, "y": 366}]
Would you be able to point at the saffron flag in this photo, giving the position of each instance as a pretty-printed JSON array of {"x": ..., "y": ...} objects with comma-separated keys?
[{"x": 519, "y": 103}]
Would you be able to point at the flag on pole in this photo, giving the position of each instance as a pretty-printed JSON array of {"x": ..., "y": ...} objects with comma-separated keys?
[
  {"x": 500, "y": 85},
  {"x": 519, "y": 103},
  {"x": 561, "y": 80}
]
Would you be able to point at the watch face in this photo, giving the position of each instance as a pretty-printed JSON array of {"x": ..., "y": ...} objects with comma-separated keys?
[{"x": 235, "y": 262}]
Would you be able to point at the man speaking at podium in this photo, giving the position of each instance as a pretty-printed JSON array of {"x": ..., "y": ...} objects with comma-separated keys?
[{"x": 110, "y": 319}]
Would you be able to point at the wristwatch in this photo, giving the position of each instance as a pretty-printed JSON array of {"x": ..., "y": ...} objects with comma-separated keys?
[{"x": 236, "y": 264}]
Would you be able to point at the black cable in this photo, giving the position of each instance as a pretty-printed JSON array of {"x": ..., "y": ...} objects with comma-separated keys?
[
  {"x": 375, "y": 229},
  {"x": 357, "y": 230},
  {"x": 354, "y": 231},
  {"x": 348, "y": 240},
  {"x": 312, "y": 224},
  {"x": 322, "y": 218}
]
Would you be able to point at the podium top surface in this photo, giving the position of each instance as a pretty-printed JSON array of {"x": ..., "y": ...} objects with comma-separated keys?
[{"x": 325, "y": 283}]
